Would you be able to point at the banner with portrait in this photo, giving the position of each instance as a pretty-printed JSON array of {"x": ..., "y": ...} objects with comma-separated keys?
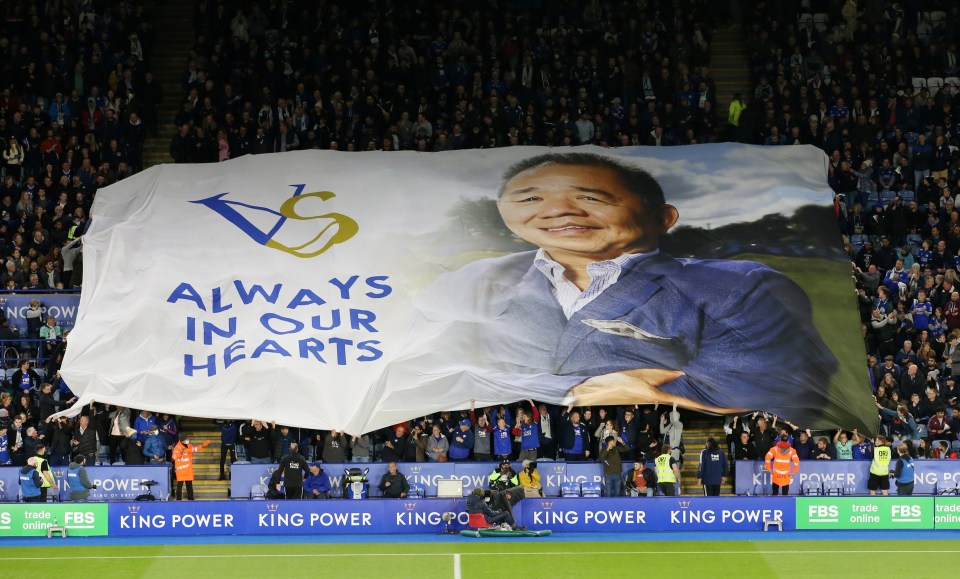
[{"x": 352, "y": 291}]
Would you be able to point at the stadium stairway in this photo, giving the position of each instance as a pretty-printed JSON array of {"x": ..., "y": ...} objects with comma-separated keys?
[
  {"x": 176, "y": 38},
  {"x": 697, "y": 429},
  {"x": 730, "y": 69},
  {"x": 206, "y": 464}
]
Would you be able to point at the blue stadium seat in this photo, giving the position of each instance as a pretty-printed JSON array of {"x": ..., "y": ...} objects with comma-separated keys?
[
  {"x": 592, "y": 489},
  {"x": 569, "y": 489},
  {"x": 258, "y": 491}
]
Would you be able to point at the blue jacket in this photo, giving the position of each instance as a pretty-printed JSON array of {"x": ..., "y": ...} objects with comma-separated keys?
[
  {"x": 142, "y": 424},
  {"x": 319, "y": 482},
  {"x": 154, "y": 444},
  {"x": 30, "y": 482},
  {"x": 493, "y": 330},
  {"x": 713, "y": 466},
  {"x": 461, "y": 450},
  {"x": 502, "y": 441},
  {"x": 228, "y": 431}
]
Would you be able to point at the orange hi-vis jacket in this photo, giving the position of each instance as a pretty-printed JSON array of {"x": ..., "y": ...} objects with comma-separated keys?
[
  {"x": 782, "y": 471},
  {"x": 183, "y": 459}
]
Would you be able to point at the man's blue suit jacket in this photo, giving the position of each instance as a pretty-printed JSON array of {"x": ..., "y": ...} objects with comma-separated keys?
[{"x": 492, "y": 331}]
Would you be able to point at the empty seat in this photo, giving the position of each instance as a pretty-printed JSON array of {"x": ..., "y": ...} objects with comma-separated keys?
[
  {"x": 258, "y": 491},
  {"x": 934, "y": 84},
  {"x": 592, "y": 489},
  {"x": 821, "y": 21},
  {"x": 569, "y": 489},
  {"x": 919, "y": 83}
]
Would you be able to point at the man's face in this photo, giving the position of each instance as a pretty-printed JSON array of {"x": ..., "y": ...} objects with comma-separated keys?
[
  {"x": 580, "y": 211},
  {"x": 392, "y": 468}
]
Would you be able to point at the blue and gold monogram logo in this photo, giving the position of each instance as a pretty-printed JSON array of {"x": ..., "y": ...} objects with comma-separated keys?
[{"x": 264, "y": 225}]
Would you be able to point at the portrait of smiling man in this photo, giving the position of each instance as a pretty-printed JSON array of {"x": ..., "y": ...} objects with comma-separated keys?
[{"x": 598, "y": 314}]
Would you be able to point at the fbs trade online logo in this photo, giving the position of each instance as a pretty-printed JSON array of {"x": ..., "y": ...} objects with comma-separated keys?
[{"x": 285, "y": 229}]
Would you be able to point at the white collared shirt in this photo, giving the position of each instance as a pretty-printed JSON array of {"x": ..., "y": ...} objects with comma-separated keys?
[{"x": 603, "y": 274}]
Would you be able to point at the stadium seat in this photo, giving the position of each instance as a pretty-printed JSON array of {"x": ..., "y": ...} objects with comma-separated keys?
[
  {"x": 953, "y": 81},
  {"x": 938, "y": 18},
  {"x": 592, "y": 489},
  {"x": 832, "y": 488},
  {"x": 820, "y": 21},
  {"x": 478, "y": 521},
  {"x": 805, "y": 21},
  {"x": 955, "y": 445},
  {"x": 935, "y": 444},
  {"x": 258, "y": 491},
  {"x": 919, "y": 83},
  {"x": 811, "y": 488},
  {"x": 569, "y": 489},
  {"x": 934, "y": 84}
]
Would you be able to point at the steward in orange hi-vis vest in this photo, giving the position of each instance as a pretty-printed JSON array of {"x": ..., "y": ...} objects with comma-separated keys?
[
  {"x": 183, "y": 458},
  {"x": 782, "y": 462}
]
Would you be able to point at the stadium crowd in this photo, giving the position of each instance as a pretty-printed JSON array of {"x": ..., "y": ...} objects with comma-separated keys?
[{"x": 857, "y": 79}]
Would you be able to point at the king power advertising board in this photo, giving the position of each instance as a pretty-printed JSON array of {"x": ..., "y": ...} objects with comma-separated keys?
[{"x": 341, "y": 516}]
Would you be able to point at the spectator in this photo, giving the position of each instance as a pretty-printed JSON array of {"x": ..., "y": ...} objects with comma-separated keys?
[
  {"x": 437, "y": 446},
  {"x": 360, "y": 448},
  {"x": 317, "y": 485},
  {"x": 574, "y": 438},
  {"x": 824, "y": 450},
  {"x": 843, "y": 445},
  {"x": 119, "y": 426},
  {"x": 132, "y": 448},
  {"x": 393, "y": 484},
  {"x": 229, "y": 431},
  {"x": 334, "y": 447},
  {"x": 672, "y": 430},
  {"x": 482, "y": 436},
  {"x": 144, "y": 423},
  {"x": 154, "y": 446},
  {"x": 462, "y": 442},
  {"x": 530, "y": 479},
  {"x": 86, "y": 440},
  {"x": 395, "y": 446},
  {"x": 258, "y": 440},
  {"x": 528, "y": 429},
  {"x": 640, "y": 481}
]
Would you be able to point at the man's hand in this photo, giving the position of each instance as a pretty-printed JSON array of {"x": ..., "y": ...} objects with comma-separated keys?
[
  {"x": 403, "y": 495},
  {"x": 386, "y": 484},
  {"x": 627, "y": 387},
  {"x": 641, "y": 386},
  {"x": 700, "y": 482}
]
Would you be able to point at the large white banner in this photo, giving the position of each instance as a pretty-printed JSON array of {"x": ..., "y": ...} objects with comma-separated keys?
[{"x": 354, "y": 290}]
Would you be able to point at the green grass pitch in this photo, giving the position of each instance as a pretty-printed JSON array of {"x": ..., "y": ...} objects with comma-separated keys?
[{"x": 481, "y": 558}]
